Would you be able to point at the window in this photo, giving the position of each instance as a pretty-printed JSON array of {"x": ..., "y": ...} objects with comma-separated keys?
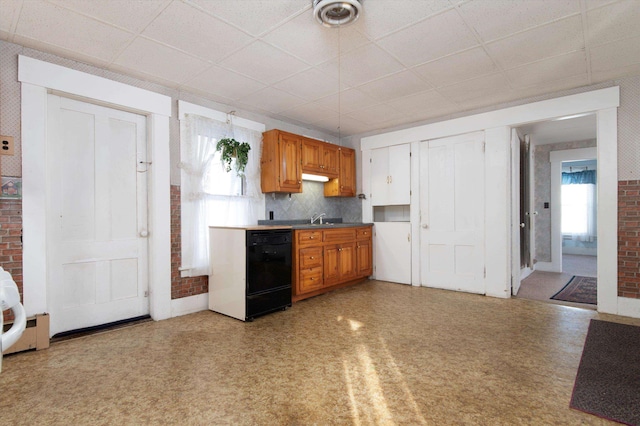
[
  {"x": 211, "y": 196},
  {"x": 578, "y": 194}
]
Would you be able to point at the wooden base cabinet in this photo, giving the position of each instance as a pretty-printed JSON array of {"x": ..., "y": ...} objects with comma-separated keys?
[{"x": 326, "y": 259}]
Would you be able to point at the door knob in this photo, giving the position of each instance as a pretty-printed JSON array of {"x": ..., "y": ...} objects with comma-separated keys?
[
  {"x": 144, "y": 234},
  {"x": 425, "y": 226}
]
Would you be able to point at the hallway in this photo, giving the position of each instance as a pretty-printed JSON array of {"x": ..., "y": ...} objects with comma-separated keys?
[{"x": 542, "y": 285}]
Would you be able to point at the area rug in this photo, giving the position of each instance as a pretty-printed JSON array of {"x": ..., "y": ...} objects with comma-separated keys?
[
  {"x": 608, "y": 379},
  {"x": 579, "y": 290}
]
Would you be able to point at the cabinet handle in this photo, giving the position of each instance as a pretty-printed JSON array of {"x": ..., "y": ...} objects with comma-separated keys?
[
  {"x": 311, "y": 238},
  {"x": 299, "y": 181},
  {"x": 311, "y": 279},
  {"x": 311, "y": 257}
]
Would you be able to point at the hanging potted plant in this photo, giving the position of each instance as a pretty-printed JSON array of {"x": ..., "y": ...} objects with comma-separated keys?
[{"x": 231, "y": 149}]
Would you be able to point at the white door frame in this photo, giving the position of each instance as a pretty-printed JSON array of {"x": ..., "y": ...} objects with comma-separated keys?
[
  {"x": 557, "y": 157},
  {"x": 38, "y": 78},
  {"x": 605, "y": 103}
]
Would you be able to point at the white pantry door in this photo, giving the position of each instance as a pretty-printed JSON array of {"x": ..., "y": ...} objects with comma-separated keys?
[
  {"x": 97, "y": 214},
  {"x": 452, "y": 213}
]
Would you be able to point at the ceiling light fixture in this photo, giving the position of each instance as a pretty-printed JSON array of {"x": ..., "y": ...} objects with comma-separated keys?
[{"x": 335, "y": 13}]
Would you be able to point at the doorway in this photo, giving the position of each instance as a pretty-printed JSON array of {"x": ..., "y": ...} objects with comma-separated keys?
[
  {"x": 96, "y": 214},
  {"x": 559, "y": 221}
]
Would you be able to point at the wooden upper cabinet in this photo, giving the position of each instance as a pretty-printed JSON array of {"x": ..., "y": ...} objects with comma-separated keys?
[
  {"x": 280, "y": 168},
  {"x": 345, "y": 184},
  {"x": 319, "y": 158}
]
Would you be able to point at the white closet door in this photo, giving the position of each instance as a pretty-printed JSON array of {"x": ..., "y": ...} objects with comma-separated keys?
[
  {"x": 452, "y": 213},
  {"x": 97, "y": 214},
  {"x": 392, "y": 250}
]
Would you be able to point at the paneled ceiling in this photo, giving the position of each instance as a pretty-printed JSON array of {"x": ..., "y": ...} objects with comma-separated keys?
[{"x": 403, "y": 61}]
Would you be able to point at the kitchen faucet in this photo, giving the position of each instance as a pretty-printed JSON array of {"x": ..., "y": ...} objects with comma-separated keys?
[{"x": 316, "y": 217}]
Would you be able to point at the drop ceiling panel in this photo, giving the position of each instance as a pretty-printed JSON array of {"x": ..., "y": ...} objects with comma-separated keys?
[
  {"x": 458, "y": 67},
  {"x": 356, "y": 66},
  {"x": 200, "y": 34},
  {"x": 376, "y": 114},
  {"x": 481, "y": 87},
  {"x": 159, "y": 60},
  {"x": 310, "y": 84},
  {"x": 618, "y": 54},
  {"x": 61, "y": 27},
  {"x": 264, "y": 63},
  {"x": 272, "y": 100},
  {"x": 381, "y": 18},
  {"x": 395, "y": 86},
  {"x": 499, "y": 18},
  {"x": 614, "y": 22},
  {"x": 347, "y": 101},
  {"x": 10, "y": 12},
  {"x": 222, "y": 82},
  {"x": 548, "y": 70},
  {"x": 254, "y": 16},
  {"x": 314, "y": 43},
  {"x": 432, "y": 38},
  {"x": 310, "y": 113},
  {"x": 430, "y": 103},
  {"x": 132, "y": 15},
  {"x": 542, "y": 42}
]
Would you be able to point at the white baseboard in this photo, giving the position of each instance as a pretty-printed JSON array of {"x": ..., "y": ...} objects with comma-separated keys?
[
  {"x": 629, "y": 307},
  {"x": 189, "y": 305},
  {"x": 546, "y": 267}
]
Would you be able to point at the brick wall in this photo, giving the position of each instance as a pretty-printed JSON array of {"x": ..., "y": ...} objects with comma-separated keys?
[
  {"x": 629, "y": 239},
  {"x": 10, "y": 242},
  {"x": 188, "y": 286}
]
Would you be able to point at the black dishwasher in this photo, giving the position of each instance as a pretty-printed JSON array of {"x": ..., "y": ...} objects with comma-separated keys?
[{"x": 268, "y": 271}]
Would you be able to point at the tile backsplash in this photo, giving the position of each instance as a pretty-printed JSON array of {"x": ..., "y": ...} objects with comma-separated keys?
[{"x": 312, "y": 201}]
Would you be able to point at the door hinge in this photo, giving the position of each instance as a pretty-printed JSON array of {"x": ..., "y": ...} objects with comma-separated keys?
[
  {"x": 484, "y": 146},
  {"x": 146, "y": 293},
  {"x": 485, "y": 272}
]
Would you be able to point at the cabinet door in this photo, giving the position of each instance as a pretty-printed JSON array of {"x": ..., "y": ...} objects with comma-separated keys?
[
  {"x": 331, "y": 260},
  {"x": 330, "y": 161},
  {"x": 393, "y": 252},
  {"x": 289, "y": 163},
  {"x": 364, "y": 258},
  {"x": 379, "y": 176},
  {"x": 347, "y": 261},
  {"x": 312, "y": 156},
  {"x": 399, "y": 191},
  {"x": 347, "y": 172}
]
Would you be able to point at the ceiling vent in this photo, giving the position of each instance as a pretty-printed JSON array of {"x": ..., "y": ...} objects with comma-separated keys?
[{"x": 335, "y": 13}]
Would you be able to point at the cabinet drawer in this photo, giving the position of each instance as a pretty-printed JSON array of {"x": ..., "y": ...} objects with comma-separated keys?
[
  {"x": 363, "y": 233},
  {"x": 305, "y": 238},
  {"x": 310, "y": 257},
  {"x": 310, "y": 279},
  {"x": 339, "y": 235}
]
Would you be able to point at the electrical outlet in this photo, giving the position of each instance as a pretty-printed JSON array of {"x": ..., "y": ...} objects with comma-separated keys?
[{"x": 6, "y": 145}]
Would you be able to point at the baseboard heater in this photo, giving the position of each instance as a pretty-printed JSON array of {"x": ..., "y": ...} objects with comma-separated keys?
[{"x": 35, "y": 336}]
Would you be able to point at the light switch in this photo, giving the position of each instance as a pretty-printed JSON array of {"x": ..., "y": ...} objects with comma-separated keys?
[{"x": 6, "y": 145}]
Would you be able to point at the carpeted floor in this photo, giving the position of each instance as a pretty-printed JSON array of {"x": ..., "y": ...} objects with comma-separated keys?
[
  {"x": 374, "y": 353},
  {"x": 542, "y": 285},
  {"x": 608, "y": 379},
  {"x": 579, "y": 290}
]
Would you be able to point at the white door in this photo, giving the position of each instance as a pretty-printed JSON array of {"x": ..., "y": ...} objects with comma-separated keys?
[
  {"x": 392, "y": 250},
  {"x": 452, "y": 213},
  {"x": 97, "y": 215},
  {"x": 516, "y": 225}
]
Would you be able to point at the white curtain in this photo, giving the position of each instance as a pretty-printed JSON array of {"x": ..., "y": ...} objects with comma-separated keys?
[
  {"x": 579, "y": 207},
  {"x": 200, "y": 208}
]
